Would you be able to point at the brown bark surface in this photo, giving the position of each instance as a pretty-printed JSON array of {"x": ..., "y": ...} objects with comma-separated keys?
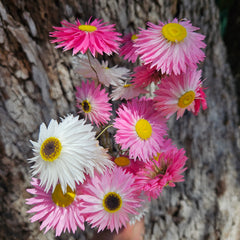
[{"x": 37, "y": 83}]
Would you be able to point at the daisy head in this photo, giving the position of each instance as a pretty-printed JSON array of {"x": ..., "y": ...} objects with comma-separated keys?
[
  {"x": 125, "y": 90},
  {"x": 93, "y": 103},
  {"x": 95, "y": 36},
  {"x": 178, "y": 93},
  {"x": 144, "y": 75},
  {"x": 140, "y": 129},
  {"x": 109, "y": 199},
  {"x": 125, "y": 162},
  {"x": 89, "y": 67},
  {"x": 161, "y": 171},
  {"x": 56, "y": 210},
  {"x": 65, "y": 152},
  {"x": 127, "y": 48},
  {"x": 171, "y": 47}
]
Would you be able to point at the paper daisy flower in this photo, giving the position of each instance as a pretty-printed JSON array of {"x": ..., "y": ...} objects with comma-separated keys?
[
  {"x": 126, "y": 91},
  {"x": 109, "y": 199},
  {"x": 171, "y": 47},
  {"x": 127, "y": 163},
  {"x": 65, "y": 152},
  {"x": 200, "y": 101},
  {"x": 93, "y": 103},
  {"x": 140, "y": 128},
  {"x": 102, "y": 72},
  {"x": 56, "y": 210},
  {"x": 179, "y": 93},
  {"x": 163, "y": 171},
  {"x": 96, "y": 36},
  {"x": 127, "y": 49},
  {"x": 144, "y": 75}
]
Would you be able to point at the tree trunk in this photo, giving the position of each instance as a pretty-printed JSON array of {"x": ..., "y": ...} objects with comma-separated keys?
[{"x": 37, "y": 83}]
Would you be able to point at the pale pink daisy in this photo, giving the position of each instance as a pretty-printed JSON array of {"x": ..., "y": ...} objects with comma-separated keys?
[
  {"x": 144, "y": 75},
  {"x": 127, "y": 49},
  {"x": 92, "y": 68},
  {"x": 126, "y": 91},
  {"x": 140, "y": 129},
  {"x": 96, "y": 36},
  {"x": 171, "y": 47},
  {"x": 163, "y": 171},
  {"x": 93, "y": 103},
  {"x": 178, "y": 93},
  {"x": 109, "y": 199},
  {"x": 127, "y": 163},
  {"x": 56, "y": 210}
]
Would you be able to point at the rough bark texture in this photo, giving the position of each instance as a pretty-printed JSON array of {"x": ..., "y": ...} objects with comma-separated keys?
[{"x": 37, "y": 83}]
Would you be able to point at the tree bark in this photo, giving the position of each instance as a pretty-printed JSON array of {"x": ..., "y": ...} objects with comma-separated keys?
[{"x": 37, "y": 83}]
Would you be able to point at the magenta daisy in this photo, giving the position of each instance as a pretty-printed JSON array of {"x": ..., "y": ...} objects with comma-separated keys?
[
  {"x": 127, "y": 163},
  {"x": 127, "y": 49},
  {"x": 140, "y": 128},
  {"x": 163, "y": 171},
  {"x": 96, "y": 36},
  {"x": 178, "y": 93},
  {"x": 201, "y": 101},
  {"x": 144, "y": 75},
  {"x": 56, "y": 210},
  {"x": 171, "y": 47},
  {"x": 109, "y": 199},
  {"x": 93, "y": 103}
]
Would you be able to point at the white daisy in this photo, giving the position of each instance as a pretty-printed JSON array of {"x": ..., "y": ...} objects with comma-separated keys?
[
  {"x": 126, "y": 91},
  {"x": 92, "y": 68},
  {"x": 65, "y": 152}
]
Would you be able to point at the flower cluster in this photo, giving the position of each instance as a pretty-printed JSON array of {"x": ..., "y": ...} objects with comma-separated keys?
[{"x": 75, "y": 177}]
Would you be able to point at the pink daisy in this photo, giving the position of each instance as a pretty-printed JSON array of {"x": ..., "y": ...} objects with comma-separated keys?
[
  {"x": 109, "y": 199},
  {"x": 201, "y": 101},
  {"x": 140, "y": 128},
  {"x": 127, "y": 49},
  {"x": 127, "y": 163},
  {"x": 161, "y": 172},
  {"x": 144, "y": 75},
  {"x": 178, "y": 93},
  {"x": 126, "y": 91},
  {"x": 93, "y": 103},
  {"x": 95, "y": 36},
  {"x": 56, "y": 210},
  {"x": 171, "y": 47}
]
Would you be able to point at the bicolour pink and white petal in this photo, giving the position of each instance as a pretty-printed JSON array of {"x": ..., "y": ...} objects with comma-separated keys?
[
  {"x": 164, "y": 171},
  {"x": 166, "y": 56},
  {"x": 144, "y": 75},
  {"x": 103, "y": 40},
  {"x": 98, "y": 99},
  {"x": 118, "y": 181},
  {"x": 51, "y": 215},
  {"x": 126, "y": 135},
  {"x": 127, "y": 48},
  {"x": 173, "y": 87}
]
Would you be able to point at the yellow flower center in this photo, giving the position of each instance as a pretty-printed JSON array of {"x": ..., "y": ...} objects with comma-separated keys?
[
  {"x": 122, "y": 161},
  {"x": 63, "y": 200},
  {"x": 127, "y": 85},
  {"x": 50, "y": 149},
  {"x": 143, "y": 129},
  {"x": 87, "y": 28},
  {"x": 174, "y": 32},
  {"x": 186, "y": 99},
  {"x": 86, "y": 106},
  {"x": 134, "y": 37},
  {"x": 112, "y": 202}
]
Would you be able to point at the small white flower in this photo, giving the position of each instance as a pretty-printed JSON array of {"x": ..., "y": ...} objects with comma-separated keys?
[
  {"x": 92, "y": 68},
  {"x": 65, "y": 152}
]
